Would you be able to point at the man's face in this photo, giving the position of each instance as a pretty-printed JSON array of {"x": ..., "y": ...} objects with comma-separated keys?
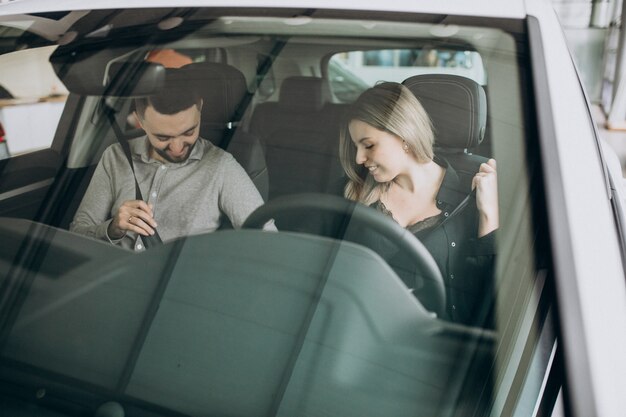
[{"x": 172, "y": 136}]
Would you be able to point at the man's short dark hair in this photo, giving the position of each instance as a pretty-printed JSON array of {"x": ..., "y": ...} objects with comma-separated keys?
[{"x": 175, "y": 96}]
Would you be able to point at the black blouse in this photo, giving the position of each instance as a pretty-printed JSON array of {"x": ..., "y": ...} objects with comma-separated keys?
[{"x": 466, "y": 261}]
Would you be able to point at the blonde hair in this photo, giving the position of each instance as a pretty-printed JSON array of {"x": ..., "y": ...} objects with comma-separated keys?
[{"x": 389, "y": 107}]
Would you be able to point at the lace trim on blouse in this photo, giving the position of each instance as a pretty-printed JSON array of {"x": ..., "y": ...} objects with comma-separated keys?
[{"x": 427, "y": 223}]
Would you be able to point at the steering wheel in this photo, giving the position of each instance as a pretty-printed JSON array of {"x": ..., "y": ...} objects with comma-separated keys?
[{"x": 370, "y": 218}]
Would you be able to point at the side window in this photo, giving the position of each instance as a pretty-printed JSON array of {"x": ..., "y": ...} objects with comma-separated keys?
[
  {"x": 351, "y": 73},
  {"x": 31, "y": 101}
]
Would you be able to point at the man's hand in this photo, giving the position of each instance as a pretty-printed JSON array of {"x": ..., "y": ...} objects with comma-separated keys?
[
  {"x": 132, "y": 216},
  {"x": 486, "y": 184}
]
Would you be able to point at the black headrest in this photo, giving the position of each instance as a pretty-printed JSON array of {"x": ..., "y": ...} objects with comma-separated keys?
[
  {"x": 456, "y": 105},
  {"x": 304, "y": 93},
  {"x": 222, "y": 88}
]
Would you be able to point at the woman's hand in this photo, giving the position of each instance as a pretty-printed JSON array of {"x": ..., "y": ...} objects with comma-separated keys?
[
  {"x": 486, "y": 184},
  {"x": 132, "y": 216}
]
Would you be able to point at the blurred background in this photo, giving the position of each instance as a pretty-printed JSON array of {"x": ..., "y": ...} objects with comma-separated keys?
[{"x": 593, "y": 31}]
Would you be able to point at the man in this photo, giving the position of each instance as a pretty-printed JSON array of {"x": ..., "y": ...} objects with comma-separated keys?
[{"x": 189, "y": 184}]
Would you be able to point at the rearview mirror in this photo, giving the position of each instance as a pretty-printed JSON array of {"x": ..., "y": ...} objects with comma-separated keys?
[{"x": 102, "y": 75}]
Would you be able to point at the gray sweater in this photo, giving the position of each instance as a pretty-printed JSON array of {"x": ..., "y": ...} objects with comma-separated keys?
[{"x": 188, "y": 198}]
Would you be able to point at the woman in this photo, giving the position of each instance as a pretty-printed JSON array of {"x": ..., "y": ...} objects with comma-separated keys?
[{"x": 387, "y": 153}]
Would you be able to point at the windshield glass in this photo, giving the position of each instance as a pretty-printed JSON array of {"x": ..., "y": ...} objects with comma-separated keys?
[{"x": 267, "y": 212}]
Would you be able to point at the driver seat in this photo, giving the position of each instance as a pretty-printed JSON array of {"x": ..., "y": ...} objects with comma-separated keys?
[{"x": 457, "y": 107}]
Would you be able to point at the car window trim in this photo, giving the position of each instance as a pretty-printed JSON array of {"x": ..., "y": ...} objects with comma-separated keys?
[
  {"x": 578, "y": 394},
  {"x": 612, "y": 194}
]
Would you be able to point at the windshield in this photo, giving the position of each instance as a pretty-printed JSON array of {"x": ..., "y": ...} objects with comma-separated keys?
[{"x": 219, "y": 212}]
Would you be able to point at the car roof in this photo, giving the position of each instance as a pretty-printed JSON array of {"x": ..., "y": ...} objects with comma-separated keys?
[{"x": 488, "y": 8}]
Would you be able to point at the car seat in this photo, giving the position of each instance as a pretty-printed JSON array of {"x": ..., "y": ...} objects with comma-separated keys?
[
  {"x": 300, "y": 134},
  {"x": 225, "y": 95},
  {"x": 457, "y": 107}
]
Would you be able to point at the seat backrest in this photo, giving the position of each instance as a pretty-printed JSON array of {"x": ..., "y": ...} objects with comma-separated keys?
[
  {"x": 457, "y": 107},
  {"x": 225, "y": 95},
  {"x": 300, "y": 137}
]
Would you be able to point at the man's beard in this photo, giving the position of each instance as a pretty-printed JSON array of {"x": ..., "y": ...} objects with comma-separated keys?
[{"x": 163, "y": 153}]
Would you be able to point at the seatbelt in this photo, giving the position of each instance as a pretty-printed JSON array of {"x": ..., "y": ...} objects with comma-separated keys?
[
  {"x": 148, "y": 241},
  {"x": 460, "y": 207},
  {"x": 242, "y": 106}
]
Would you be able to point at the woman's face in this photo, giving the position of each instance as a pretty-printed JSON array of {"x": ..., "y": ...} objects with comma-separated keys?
[{"x": 379, "y": 151}]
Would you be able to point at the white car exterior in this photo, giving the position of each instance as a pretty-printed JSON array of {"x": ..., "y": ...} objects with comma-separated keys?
[{"x": 583, "y": 192}]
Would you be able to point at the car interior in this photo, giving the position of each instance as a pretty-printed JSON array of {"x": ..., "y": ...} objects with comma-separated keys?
[{"x": 307, "y": 318}]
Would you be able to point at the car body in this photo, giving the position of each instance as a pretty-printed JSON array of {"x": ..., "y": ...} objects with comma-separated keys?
[{"x": 297, "y": 322}]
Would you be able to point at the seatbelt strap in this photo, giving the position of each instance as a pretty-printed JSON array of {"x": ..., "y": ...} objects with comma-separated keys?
[
  {"x": 148, "y": 241},
  {"x": 242, "y": 106},
  {"x": 460, "y": 207}
]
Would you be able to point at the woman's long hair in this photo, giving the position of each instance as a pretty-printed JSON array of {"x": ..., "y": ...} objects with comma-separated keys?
[{"x": 389, "y": 107}]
